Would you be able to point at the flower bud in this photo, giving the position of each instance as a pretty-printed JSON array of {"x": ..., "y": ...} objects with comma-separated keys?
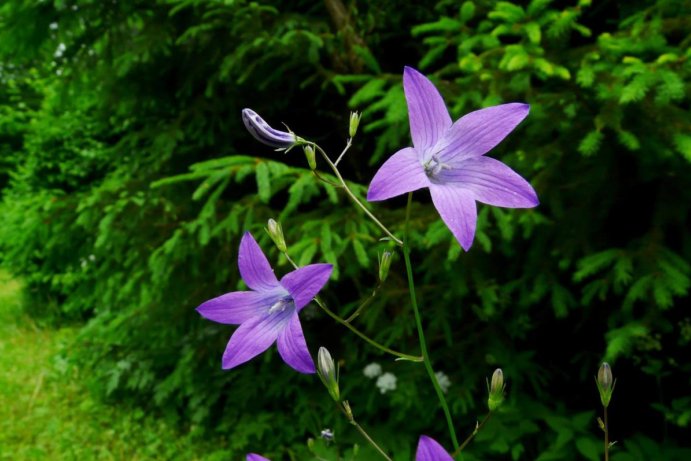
[
  {"x": 327, "y": 373},
  {"x": 605, "y": 383},
  {"x": 384, "y": 265},
  {"x": 276, "y": 233},
  {"x": 354, "y": 123},
  {"x": 262, "y": 132},
  {"x": 311, "y": 160},
  {"x": 496, "y": 390}
]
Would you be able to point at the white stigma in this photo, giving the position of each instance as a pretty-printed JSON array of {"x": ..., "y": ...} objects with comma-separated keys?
[{"x": 280, "y": 305}]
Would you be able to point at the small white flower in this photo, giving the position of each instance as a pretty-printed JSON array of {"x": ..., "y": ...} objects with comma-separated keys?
[
  {"x": 443, "y": 380},
  {"x": 386, "y": 382},
  {"x": 372, "y": 370},
  {"x": 53, "y": 26}
]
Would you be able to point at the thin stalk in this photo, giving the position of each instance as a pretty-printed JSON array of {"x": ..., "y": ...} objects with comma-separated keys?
[
  {"x": 370, "y": 341},
  {"x": 606, "y": 436},
  {"x": 348, "y": 144},
  {"x": 472, "y": 435},
  {"x": 363, "y": 305},
  {"x": 354, "y": 198},
  {"x": 420, "y": 331},
  {"x": 345, "y": 407}
]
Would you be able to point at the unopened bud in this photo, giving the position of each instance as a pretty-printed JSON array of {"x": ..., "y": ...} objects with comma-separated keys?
[
  {"x": 327, "y": 373},
  {"x": 311, "y": 160},
  {"x": 263, "y": 132},
  {"x": 348, "y": 411},
  {"x": 384, "y": 265},
  {"x": 354, "y": 123},
  {"x": 605, "y": 383},
  {"x": 276, "y": 233},
  {"x": 496, "y": 390}
]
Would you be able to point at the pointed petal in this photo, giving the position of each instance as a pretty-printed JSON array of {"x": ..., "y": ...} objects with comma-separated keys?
[
  {"x": 458, "y": 211},
  {"x": 293, "y": 348},
  {"x": 304, "y": 283},
  {"x": 478, "y": 132},
  {"x": 428, "y": 116},
  {"x": 429, "y": 449},
  {"x": 491, "y": 182},
  {"x": 256, "y": 457},
  {"x": 254, "y": 337},
  {"x": 401, "y": 173},
  {"x": 239, "y": 306},
  {"x": 254, "y": 267}
]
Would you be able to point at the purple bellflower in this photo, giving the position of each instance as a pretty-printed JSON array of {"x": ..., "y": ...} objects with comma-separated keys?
[
  {"x": 429, "y": 449},
  {"x": 448, "y": 158},
  {"x": 262, "y": 131},
  {"x": 256, "y": 457},
  {"x": 268, "y": 313}
]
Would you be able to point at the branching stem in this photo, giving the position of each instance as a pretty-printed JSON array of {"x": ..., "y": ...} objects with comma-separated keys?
[{"x": 473, "y": 434}]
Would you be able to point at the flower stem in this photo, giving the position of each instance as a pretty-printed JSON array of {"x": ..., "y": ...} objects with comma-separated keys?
[
  {"x": 606, "y": 436},
  {"x": 364, "y": 304},
  {"x": 420, "y": 331},
  {"x": 333, "y": 315},
  {"x": 354, "y": 198},
  {"x": 348, "y": 144},
  {"x": 472, "y": 435},
  {"x": 345, "y": 407}
]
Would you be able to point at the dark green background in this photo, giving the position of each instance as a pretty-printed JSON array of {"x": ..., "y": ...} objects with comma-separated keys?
[{"x": 126, "y": 143}]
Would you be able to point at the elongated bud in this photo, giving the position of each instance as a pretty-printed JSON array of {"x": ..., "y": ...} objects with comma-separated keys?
[
  {"x": 327, "y": 373},
  {"x": 348, "y": 411},
  {"x": 262, "y": 132},
  {"x": 276, "y": 233},
  {"x": 354, "y": 123},
  {"x": 311, "y": 160},
  {"x": 384, "y": 265},
  {"x": 496, "y": 390},
  {"x": 605, "y": 383}
]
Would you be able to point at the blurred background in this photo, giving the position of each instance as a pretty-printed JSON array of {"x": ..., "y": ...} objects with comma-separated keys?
[{"x": 127, "y": 178}]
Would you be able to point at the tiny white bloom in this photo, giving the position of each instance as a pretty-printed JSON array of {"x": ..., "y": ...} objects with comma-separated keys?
[
  {"x": 443, "y": 380},
  {"x": 386, "y": 382},
  {"x": 372, "y": 370}
]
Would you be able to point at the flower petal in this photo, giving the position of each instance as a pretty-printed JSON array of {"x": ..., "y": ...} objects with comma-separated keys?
[
  {"x": 256, "y": 457},
  {"x": 254, "y": 267},
  {"x": 478, "y": 132},
  {"x": 254, "y": 337},
  {"x": 457, "y": 209},
  {"x": 401, "y": 173},
  {"x": 293, "y": 348},
  {"x": 428, "y": 116},
  {"x": 239, "y": 306},
  {"x": 304, "y": 283},
  {"x": 429, "y": 449},
  {"x": 491, "y": 182},
  {"x": 262, "y": 132}
]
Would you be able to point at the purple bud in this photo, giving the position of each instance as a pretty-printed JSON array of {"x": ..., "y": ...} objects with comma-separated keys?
[{"x": 263, "y": 133}]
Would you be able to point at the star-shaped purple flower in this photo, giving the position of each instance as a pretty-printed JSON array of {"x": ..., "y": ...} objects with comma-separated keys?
[
  {"x": 269, "y": 312},
  {"x": 429, "y": 449},
  {"x": 256, "y": 457},
  {"x": 448, "y": 158}
]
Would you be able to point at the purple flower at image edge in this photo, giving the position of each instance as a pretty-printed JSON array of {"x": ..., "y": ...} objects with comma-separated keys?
[
  {"x": 256, "y": 457},
  {"x": 268, "y": 313},
  {"x": 429, "y": 449},
  {"x": 448, "y": 158}
]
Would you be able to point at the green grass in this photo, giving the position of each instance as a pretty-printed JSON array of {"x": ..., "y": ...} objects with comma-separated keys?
[{"x": 46, "y": 414}]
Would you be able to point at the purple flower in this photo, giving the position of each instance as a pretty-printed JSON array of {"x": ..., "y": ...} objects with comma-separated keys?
[
  {"x": 448, "y": 158},
  {"x": 256, "y": 457},
  {"x": 262, "y": 132},
  {"x": 429, "y": 449},
  {"x": 269, "y": 312}
]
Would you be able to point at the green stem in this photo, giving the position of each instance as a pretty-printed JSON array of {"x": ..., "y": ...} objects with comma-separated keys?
[
  {"x": 354, "y": 198},
  {"x": 363, "y": 305},
  {"x": 333, "y": 315},
  {"x": 420, "y": 331},
  {"x": 345, "y": 407},
  {"x": 606, "y": 436},
  {"x": 472, "y": 435}
]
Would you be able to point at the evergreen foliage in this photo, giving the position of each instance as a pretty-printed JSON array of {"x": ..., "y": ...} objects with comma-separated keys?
[{"x": 127, "y": 179}]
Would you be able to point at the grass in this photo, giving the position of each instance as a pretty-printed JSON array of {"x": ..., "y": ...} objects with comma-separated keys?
[{"x": 45, "y": 412}]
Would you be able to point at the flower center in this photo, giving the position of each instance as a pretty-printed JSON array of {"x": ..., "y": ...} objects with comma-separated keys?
[
  {"x": 434, "y": 166},
  {"x": 281, "y": 304}
]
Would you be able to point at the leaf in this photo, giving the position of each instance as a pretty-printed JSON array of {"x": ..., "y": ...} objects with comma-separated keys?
[{"x": 263, "y": 182}]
